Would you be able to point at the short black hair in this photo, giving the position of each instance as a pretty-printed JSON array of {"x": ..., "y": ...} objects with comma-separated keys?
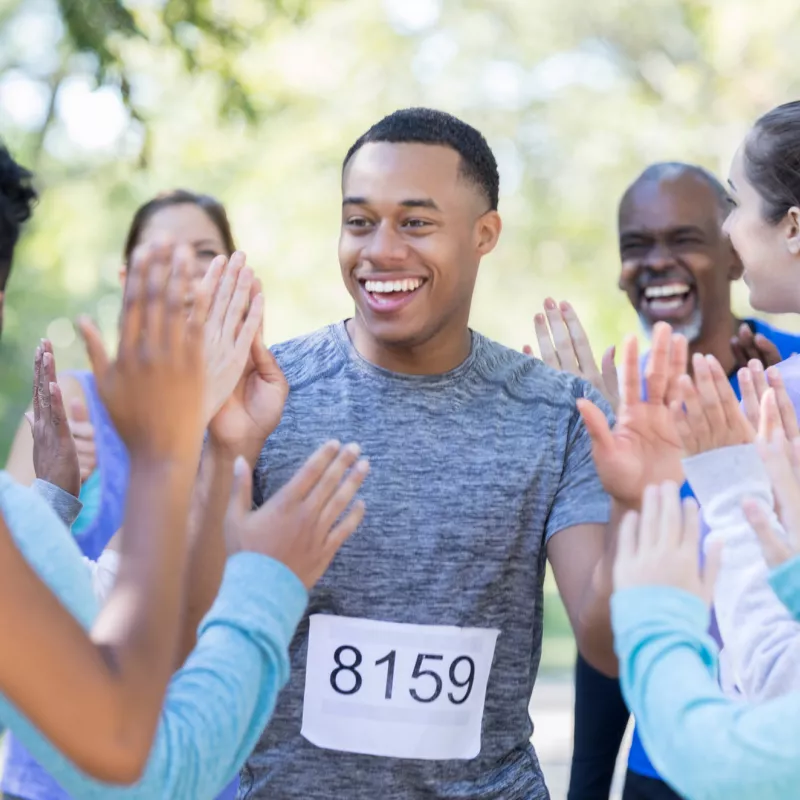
[
  {"x": 664, "y": 170},
  {"x": 428, "y": 126},
  {"x": 17, "y": 197}
]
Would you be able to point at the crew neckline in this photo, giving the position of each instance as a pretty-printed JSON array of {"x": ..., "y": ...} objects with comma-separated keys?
[{"x": 348, "y": 349}]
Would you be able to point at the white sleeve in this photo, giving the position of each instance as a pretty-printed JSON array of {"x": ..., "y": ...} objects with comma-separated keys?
[
  {"x": 760, "y": 637},
  {"x": 104, "y": 573}
]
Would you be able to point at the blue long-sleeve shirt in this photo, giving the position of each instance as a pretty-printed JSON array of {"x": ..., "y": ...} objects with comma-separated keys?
[
  {"x": 707, "y": 746},
  {"x": 217, "y": 705}
]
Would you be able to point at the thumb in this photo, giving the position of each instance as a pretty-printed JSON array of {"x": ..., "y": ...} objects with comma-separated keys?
[
  {"x": 711, "y": 569},
  {"x": 265, "y": 363},
  {"x": 77, "y": 411},
  {"x": 95, "y": 348},
  {"x": 597, "y": 427},
  {"x": 609, "y": 370}
]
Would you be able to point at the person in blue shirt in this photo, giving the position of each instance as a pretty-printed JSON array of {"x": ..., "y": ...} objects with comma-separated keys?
[{"x": 677, "y": 267}]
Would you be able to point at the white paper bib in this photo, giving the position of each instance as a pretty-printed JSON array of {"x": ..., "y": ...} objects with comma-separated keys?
[{"x": 396, "y": 690}]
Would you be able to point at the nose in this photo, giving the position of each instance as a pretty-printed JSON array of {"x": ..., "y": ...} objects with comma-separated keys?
[
  {"x": 658, "y": 259},
  {"x": 385, "y": 246}
]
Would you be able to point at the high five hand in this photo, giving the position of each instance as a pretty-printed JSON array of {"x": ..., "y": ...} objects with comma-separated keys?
[
  {"x": 659, "y": 546},
  {"x": 55, "y": 458},
  {"x": 644, "y": 446},
  {"x": 564, "y": 345},
  {"x": 305, "y": 523}
]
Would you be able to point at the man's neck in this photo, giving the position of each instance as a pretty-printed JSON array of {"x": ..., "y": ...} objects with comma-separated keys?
[
  {"x": 717, "y": 343},
  {"x": 442, "y": 353}
]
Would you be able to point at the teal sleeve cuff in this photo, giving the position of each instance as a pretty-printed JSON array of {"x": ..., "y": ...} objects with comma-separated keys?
[
  {"x": 257, "y": 593},
  {"x": 67, "y": 506},
  {"x": 639, "y": 610},
  {"x": 785, "y": 582}
]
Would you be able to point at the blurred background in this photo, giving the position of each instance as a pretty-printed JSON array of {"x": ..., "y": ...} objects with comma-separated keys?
[{"x": 256, "y": 102}]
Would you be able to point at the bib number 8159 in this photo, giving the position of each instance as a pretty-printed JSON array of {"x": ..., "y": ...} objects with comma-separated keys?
[{"x": 347, "y": 680}]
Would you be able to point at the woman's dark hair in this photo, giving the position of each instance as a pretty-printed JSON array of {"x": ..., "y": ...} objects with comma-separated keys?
[
  {"x": 772, "y": 160},
  {"x": 178, "y": 197}
]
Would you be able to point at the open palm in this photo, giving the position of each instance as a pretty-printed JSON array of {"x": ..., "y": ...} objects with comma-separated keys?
[{"x": 644, "y": 446}]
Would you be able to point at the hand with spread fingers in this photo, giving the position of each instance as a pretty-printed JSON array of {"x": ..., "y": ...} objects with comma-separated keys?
[
  {"x": 55, "y": 458},
  {"x": 754, "y": 382},
  {"x": 644, "y": 447},
  {"x": 564, "y": 345},
  {"x": 748, "y": 346},
  {"x": 305, "y": 523},
  {"x": 659, "y": 545},
  {"x": 707, "y": 414},
  {"x": 781, "y": 458},
  {"x": 155, "y": 389}
]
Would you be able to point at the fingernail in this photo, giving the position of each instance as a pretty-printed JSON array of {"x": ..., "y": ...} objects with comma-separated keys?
[
  {"x": 550, "y": 303},
  {"x": 363, "y": 465},
  {"x": 353, "y": 449},
  {"x": 565, "y": 306},
  {"x": 539, "y": 318}
]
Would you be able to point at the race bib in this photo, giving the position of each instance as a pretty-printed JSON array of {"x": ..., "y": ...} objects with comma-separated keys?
[{"x": 396, "y": 690}]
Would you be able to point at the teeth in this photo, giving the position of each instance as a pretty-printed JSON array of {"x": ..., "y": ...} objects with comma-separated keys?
[
  {"x": 670, "y": 290},
  {"x": 385, "y": 287}
]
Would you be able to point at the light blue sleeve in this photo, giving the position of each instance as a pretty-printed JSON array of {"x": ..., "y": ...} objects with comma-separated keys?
[
  {"x": 785, "y": 582},
  {"x": 706, "y": 746},
  {"x": 217, "y": 705}
]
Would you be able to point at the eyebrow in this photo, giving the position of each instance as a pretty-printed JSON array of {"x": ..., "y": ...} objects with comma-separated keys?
[
  {"x": 650, "y": 234},
  {"x": 422, "y": 202}
]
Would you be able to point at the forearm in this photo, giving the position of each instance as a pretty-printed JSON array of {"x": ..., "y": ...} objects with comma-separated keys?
[
  {"x": 595, "y": 636},
  {"x": 219, "y": 703},
  {"x": 138, "y": 627},
  {"x": 761, "y": 639},
  {"x": 207, "y": 553},
  {"x": 706, "y": 746}
]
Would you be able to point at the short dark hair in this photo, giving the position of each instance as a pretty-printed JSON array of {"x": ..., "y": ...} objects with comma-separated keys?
[
  {"x": 772, "y": 160},
  {"x": 427, "y": 126},
  {"x": 178, "y": 197},
  {"x": 17, "y": 197},
  {"x": 673, "y": 169}
]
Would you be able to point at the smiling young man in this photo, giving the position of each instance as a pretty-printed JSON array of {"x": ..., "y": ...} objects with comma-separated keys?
[
  {"x": 677, "y": 267},
  {"x": 413, "y": 670}
]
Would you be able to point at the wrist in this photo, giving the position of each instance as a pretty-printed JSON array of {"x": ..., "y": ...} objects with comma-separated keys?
[{"x": 227, "y": 452}]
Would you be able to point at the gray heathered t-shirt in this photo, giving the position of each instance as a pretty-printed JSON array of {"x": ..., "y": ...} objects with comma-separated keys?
[{"x": 471, "y": 473}]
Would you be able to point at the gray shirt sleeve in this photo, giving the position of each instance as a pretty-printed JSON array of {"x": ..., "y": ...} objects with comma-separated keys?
[
  {"x": 580, "y": 498},
  {"x": 67, "y": 506}
]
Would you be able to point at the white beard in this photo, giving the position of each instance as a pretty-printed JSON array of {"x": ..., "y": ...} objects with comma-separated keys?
[{"x": 691, "y": 329}]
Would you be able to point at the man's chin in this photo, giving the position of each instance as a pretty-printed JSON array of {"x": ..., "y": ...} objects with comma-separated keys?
[{"x": 690, "y": 328}]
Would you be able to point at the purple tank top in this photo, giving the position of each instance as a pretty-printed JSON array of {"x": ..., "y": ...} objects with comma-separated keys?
[{"x": 23, "y": 777}]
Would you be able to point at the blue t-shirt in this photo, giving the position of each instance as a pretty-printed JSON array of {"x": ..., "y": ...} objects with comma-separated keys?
[{"x": 788, "y": 344}]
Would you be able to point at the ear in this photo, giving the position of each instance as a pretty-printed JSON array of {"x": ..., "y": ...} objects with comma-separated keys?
[
  {"x": 487, "y": 231},
  {"x": 793, "y": 230}
]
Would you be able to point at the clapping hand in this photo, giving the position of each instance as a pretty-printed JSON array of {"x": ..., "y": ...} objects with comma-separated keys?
[{"x": 564, "y": 345}]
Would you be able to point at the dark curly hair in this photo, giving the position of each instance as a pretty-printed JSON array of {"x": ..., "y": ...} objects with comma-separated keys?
[
  {"x": 17, "y": 197},
  {"x": 427, "y": 126}
]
